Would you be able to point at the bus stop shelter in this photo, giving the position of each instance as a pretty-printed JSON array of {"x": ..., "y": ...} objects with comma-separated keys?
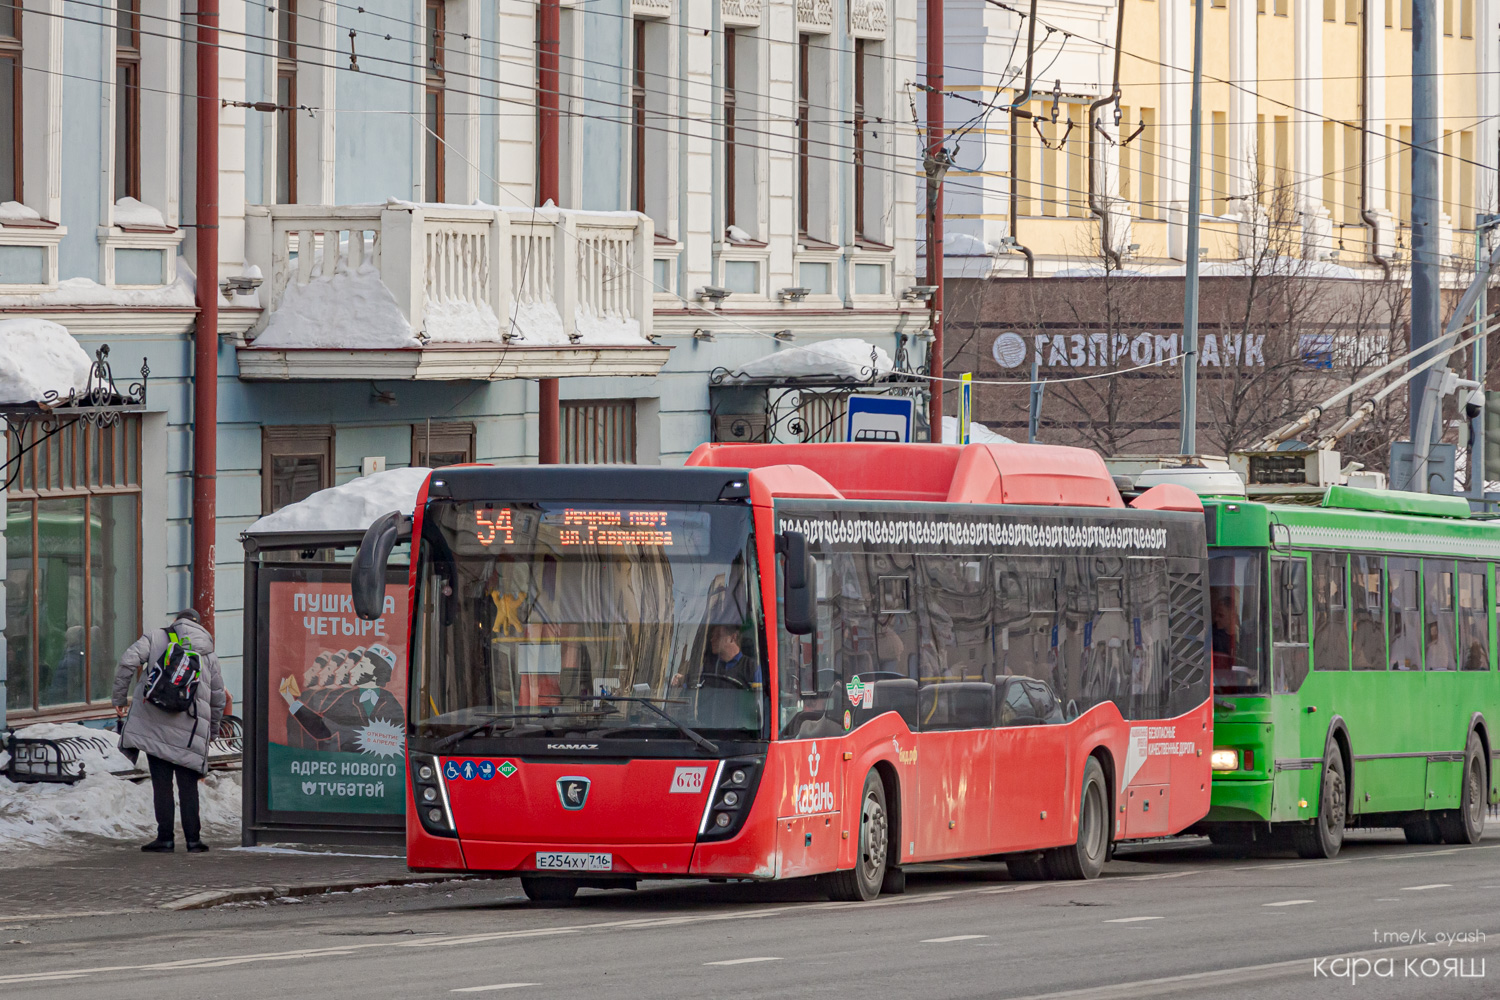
[{"x": 325, "y": 691}]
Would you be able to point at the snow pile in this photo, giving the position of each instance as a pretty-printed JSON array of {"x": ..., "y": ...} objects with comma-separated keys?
[
  {"x": 844, "y": 358},
  {"x": 14, "y": 211},
  {"x": 350, "y": 507},
  {"x": 537, "y": 324},
  {"x": 738, "y": 235},
  {"x": 461, "y": 323},
  {"x": 965, "y": 245},
  {"x": 350, "y": 308},
  {"x": 606, "y": 330},
  {"x": 978, "y": 433},
  {"x": 101, "y": 805},
  {"x": 37, "y": 355},
  {"x": 130, "y": 212}
]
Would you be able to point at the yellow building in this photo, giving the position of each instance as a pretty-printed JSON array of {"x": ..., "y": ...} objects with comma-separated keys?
[{"x": 1306, "y": 132}]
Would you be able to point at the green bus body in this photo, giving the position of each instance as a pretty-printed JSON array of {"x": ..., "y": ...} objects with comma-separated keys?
[{"x": 1392, "y": 664}]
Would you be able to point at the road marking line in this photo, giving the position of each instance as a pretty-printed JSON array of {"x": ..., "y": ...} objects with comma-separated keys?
[
  {"x": 486, "y": 989},
  {"x": 1131, "y": 920},
  {"x": 744, "y": 961},
  {"x": 1419, "y": 888},
  {"x": 1390, "y": 899},
  {"x": 956, "y": 937},
  {"x": 1290, "y": 902}
]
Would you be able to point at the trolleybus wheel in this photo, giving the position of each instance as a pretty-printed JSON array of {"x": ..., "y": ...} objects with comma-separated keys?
[
  {"x": 1323, "y": 837},
  {"x": 1085, "y": 859},
  {"x": 549, "y": 890},
  {"x": 864, "y": 880},
  {"x": 1421, "y": 829},
  {"x": 1465, "y": 825}
]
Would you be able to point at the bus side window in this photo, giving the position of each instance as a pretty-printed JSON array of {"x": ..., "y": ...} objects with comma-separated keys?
[
  {"x": 1406, "y": 614},
  {"x": 1367, "y": 613},
  {"x": 1289, "y": 623},
  {"x": 1330, "y": 611},
  {"x": 1473, "y": 616},
  {"x": 1442, "y": 644}
]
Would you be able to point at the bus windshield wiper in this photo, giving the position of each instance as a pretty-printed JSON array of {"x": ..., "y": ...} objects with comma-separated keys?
[
  {"x": 454, "y": 739},
  {"x": 690, "y": 733}
]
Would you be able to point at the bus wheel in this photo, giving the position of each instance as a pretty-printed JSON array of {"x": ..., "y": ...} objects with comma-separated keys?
[
  {"x": 1421, "y": 829},
  {"x": 549, "y": 890},
  {"x": 1465, "y": 825},
  {"x": 1085, "y": 859},
  {"x": 1027, "y": 869},
  {"x": 863, "y": 881},
  {"x": 1323, "y": 837}
]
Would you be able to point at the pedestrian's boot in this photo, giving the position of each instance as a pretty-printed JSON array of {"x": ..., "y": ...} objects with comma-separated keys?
[
  {"x": 197, "y": 847},
  {"x": 160, "y": 846}
]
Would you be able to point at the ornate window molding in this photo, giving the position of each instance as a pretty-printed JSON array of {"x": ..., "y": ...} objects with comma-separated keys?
[
  {"x": 651, "y": 8},
  {"x": 741, "y": 13},
  {"x": 814, "y": 17},
  {"x": 867, "y": 18}
]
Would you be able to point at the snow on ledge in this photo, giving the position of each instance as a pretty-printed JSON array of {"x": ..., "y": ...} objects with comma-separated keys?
[
  {"x": 130, "y": 212},
  {"x": 846, "y": 357},
  {"x": 14, "y": 211},
  {"x": 349, "y": 507},
  {"x": 38, "y": 356},
  {"x": 346, "y": 309}
]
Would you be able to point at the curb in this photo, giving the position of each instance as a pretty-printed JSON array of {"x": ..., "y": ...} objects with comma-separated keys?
[{"x": 257, "y": 893}]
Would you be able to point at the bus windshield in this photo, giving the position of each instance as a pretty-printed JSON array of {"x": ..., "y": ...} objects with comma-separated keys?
[
  {"x": 1235, "y": 596},
  {"x": 614, "y": 620}
]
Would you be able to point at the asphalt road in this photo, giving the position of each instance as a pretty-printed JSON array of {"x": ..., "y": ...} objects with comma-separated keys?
[{"x": 1382, "y": 920}]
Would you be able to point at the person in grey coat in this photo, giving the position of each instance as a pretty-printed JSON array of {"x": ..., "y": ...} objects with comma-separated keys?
[{"x": 175, "y": 743}]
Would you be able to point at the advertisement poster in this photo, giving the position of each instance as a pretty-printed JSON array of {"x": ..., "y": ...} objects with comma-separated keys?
[{"x": 336, "y": 705}]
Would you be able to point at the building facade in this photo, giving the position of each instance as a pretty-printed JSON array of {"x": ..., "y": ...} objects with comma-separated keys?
[{"x": 736, "y": 184}]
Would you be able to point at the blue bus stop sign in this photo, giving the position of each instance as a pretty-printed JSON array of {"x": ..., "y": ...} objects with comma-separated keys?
[{"x": 879, "y": 418}]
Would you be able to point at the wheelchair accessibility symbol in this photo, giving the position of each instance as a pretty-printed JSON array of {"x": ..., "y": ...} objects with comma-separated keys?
[{"x": 451, "y": 771}]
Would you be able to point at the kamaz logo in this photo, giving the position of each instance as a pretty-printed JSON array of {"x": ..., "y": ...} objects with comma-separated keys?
[{"x": 572, "y": 746}]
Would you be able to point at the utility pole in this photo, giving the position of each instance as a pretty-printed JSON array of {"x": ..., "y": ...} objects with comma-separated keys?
[
  {"x": 935, "y": 166},
  {"x": 1425, "y": 292},
  {"x": 206, "y": 329},
  {"x": 1190, "y": 290},
  {"x": 549, "y": 47}
]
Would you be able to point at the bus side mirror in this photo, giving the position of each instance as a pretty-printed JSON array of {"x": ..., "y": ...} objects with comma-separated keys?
[
  {"x": 367, "y": 576},
  {"x": 798, "y": 599},
  {"x": 1295, "y": 585}
]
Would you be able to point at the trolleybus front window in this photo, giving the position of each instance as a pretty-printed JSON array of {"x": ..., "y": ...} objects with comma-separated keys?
[
  {"x": 1235, "y": 597},
  {"x": 558, "y": 619}
]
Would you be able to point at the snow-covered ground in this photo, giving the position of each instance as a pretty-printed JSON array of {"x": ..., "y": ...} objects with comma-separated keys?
[{"x": 70, "y": 818}]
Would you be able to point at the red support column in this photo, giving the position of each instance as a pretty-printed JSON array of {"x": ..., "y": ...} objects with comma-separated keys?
[
  {"x": 206, "y": 332},
  {"x": 934, "y": 160},
  {"x": 549, "y": 33}
]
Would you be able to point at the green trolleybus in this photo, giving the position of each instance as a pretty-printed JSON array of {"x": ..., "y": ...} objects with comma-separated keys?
[{"x": 1354, "y": 655}]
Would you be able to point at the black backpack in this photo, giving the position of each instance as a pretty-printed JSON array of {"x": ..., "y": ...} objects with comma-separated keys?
[{"x": 172, "y": 681}]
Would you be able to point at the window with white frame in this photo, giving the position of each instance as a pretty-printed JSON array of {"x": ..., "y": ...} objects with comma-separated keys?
[
  {"x": 434, "y": 110},
  {"x": 741, "y": 150},
  {"x": 127, "y": 99},
  {"x": 286, "y": 103},
  {"x": 10, "y": 102}
]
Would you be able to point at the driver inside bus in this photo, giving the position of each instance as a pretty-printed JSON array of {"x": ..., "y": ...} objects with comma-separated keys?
[{"x": 728, "y": 660}]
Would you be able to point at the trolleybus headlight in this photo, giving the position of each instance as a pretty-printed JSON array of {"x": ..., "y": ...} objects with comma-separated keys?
[
  {"x": 731, "y": 798},
  {"x": 721, "y": 820},
  {"x": 736, "y": 777},
  {"x": 429, "y": 795},
  {"x": 1225, "y": 760},
  {"x": 435, "y": 815},
  {"x": 424, "y": 773}
]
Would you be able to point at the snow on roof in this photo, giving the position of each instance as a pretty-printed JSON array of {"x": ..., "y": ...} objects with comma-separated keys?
[
  {"x": 349, "y": 507},
  {"x": 978, "y": 433},
  {"x": 845, "y": 358},
  {"x": 37, "y": 355},
  {"x": 55, "y": 816}
]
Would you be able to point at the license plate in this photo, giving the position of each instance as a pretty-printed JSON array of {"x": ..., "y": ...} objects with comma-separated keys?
[{"x": 573, "y": 861}]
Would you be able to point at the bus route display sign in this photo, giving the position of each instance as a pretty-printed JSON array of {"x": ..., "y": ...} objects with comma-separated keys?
[{"x": 336, "y": 700}]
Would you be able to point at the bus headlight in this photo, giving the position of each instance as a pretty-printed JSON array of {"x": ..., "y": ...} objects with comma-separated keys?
[{"x": 1224, "y": 760}]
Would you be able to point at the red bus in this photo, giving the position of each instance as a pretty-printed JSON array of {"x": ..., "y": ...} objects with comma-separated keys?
[{"x": 809, "y": 660}]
